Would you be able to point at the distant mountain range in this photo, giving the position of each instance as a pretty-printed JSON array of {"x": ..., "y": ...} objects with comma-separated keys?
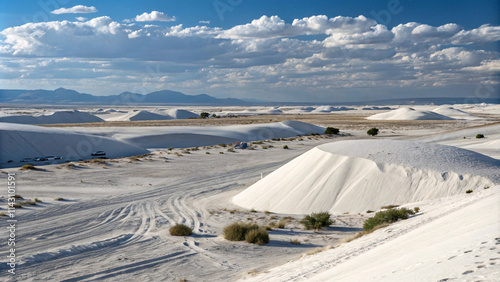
[{"x": 63, "y": 96}]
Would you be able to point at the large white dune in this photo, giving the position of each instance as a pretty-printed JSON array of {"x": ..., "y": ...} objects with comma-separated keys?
[
  {"x": 53, "y": 118},
  {"x": 21, "y": 141},
  {"x": 181, "y": 114},
  {"x": 454, "y": 113},
  {"x": 408, "y": 114},
  {"x": 360, "y": 175},
  {"x": 139, "y": 115}
]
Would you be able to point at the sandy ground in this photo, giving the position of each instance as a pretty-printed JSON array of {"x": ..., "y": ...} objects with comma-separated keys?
[{"x": 113, "y": 220}]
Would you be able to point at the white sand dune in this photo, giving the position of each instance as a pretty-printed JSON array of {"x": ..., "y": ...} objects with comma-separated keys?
[
  {"x": 408, "y": 114},
  {"x": 329, "y": 109},
  {"x": 27, "y": 141},
  {"x": 194, "y": 136},
  {"x": 454, "y": 113},
  {"x": 360, "y": 175},
  {"x": 53, "y": 118},
  {"x": 374, "y": 108},
  {"x": 139, "y": 115},
  {"x": 181, "y": 114},
  {"x": 454, "y": 239}
]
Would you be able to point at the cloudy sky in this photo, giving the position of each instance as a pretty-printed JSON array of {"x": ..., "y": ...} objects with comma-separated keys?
[{"x": 329, "y": 51}]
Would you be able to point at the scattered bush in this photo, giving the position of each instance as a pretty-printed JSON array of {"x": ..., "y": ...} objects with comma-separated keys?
[
  {"x": 264, "y": 147},
  {"x": 253, "y": 210},
  {"x": 295, "y": 242},
  {"x": 258, "y": 142},
  {"x": 59, "y": 199},
  {"x": 332, "y": 130},
  {"x": 416, "y": 209},
  {"x": 372, "y": 131},
  {"x": 257, "y": 236},
  {"x": 468, "y": 191},
  {"x": 479, "y": 136},
  {"x": 208, "y": 153},
  {"x": 180, "y": 230},
  {"x": 222, "y": 145},
  {"x": 316, "y": 220},
  {"x": 388, "y": 216},
  {"x": 222, "y": 153},
  {"x": 204, "y": 115},
  {"x": 282, "y": 224},
  {"x": 230, "y": 150},
  {"x": 28, "y": 167},
  {"x": 285, "y": 147},
  {"x": 237, "y": 231}
]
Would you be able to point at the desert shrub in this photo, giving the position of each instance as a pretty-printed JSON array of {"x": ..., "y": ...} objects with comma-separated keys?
[
  {"x": 28, "y": 167},
  {"x": 316, "y": 220},
  {"x": 180, "y": 230},
  {"x": 222, "y": 145},
  {"x": 272, "y": 223},
  {"x": 59, "y": 199},
  {"x": 372, "y": 131},
  {"x": 222, "y": 153},
  {"x": 268, "y": 228},
  {"x": 208, "y": 153},
  {"x": 204, "y": 115},
  {"x": 332, "y": 130},
  {"x": 230, "y": 150},
  {"x": 416, "y": 209},
  {"x": 281, "y": 224},
  {"x": 170, "y": 148},
  {"x": 285, "y": 147},
  {"x": 258, "y": 142},
  {"x": 253, "y": 210},
  {"x": 257, "y": 236},
  {"x": 388, "y": 216},
  {"x": 267, "y": 212},
  {"x": 479, "y": 136},
  {"x": 295, "y": 242},
  {"x": 264, "y": 147},
  {"x": 101, "y": 161},
  {"x": 468, "y": 191},
  {"x": 237, "y": 231}
]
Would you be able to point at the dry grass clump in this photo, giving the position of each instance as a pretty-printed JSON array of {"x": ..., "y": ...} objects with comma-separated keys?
[
  {"x": 257, "y": 236},
  {"x": 180, "y": 230},
  {"x": 388, "y": 216},
  {"x": 318, "y": 250},
  {"x": 28, "y": 167},
  {"x": 316, "y": 220},
  {"x": 102, "y": 161},
  {"x": 295, "y": 242},
  {"x": 365, "y": 232},
  {"x": 469, "y": 191},
  {"x": 249, "y": 232},
  {"x": 59, "y": 199}
]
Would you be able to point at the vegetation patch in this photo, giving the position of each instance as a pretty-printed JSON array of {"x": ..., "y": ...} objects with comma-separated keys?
[
  {"x": 468, "y": 191},
  {"x": 372, "y": 131},
  {"x": 237, "y": 231},
  {"x": 180, "y": 230},
  {"x": 28, "y": 167},
  {"x": 257, "y": 236},
  {"x": 316, "y": 220},
  {"x": 332, "y": 130},
  {"x": 388, "y": 216},
  {"x": 478, "y": 136}
]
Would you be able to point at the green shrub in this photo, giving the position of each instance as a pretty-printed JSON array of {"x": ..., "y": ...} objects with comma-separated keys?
[
  {"x": 204, "y": 115},
  {"x": 388, "y": 216},
  {"x": 372, "y": 131},
  {"x": 285, "y": 147},
  {"x": 180, "y": 230},
  {"x": 316, "y": 220},
  {"x": 237, "y": 231},
  {"x": 468, "y": 191},
  {"x": 222, "y": 145},
  {"x": 479, "y": 136},
  {"x": 332, "y": 130},
  {"x": 257, "y": 236},
  {"x": 59, "y": 199}
]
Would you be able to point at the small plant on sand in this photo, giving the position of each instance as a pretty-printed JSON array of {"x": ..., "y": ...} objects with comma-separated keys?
[
  {"x": 316, "y": 220},
  {"x": 222, "y": 153},
  {"x": 258, "y": 142},
  {"x": 257, "y": 236},
  {"x": 180, "y": 230},
  {"x": 264, "y": 147},
  {"x": 372, "y": 131},
  {"x": 28, "y": 167},
  {"x": 253, "y": 210},
  {"x": 285, "y": 147},
  {"x": 208, "y": 153},
  {"x": 282, "y": 224},
  {"x": 230, "y": 150},
  {"x": 204, "y": 115},
  {"x": 478, "y": 136},
  {"x": 416, "y": 209},
  {"x": 222, "y": 145},
  {"x": 59, "y": 199},
  {"x": 388, "y": 216},
  {"x": 238, "y": 231},
  {"x": 28, "y": 203},
  {"x": 295, "y": 242},
  {"x": 468, "y": 191},
  {"x": 332, "y": 130}
]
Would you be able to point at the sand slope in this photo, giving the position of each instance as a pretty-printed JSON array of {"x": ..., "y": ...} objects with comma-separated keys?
[
  {"x": 408, "y": 114},
  {"x": 454, "y": 113},
  {"x": 139, "y": 115},
  {"x": 27, "y": 141},
  {"x": 361, "y": 175},
  {"x": 56, "y": 117},
  {"x": 181, "y": 114}
]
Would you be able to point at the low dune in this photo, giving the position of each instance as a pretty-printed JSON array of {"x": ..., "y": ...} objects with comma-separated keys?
[
  {"x": 408, "y": 114},
  {"x": 53, "y": 118},
  {"x": 361, "y": 175}
]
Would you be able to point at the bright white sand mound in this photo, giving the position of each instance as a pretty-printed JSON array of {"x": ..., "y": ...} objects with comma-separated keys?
[
  {"x": 57, "y": 117},
  {"x": 26, "y": 141},
  {"x": 139, "y": 115},
  {"x": 454, "y": 113},
  {"x": 181, "y": 114},
  {"x": 360, "y": 175},
  {"x": 329, "y": 109},
  {"x": 195, "y": 136},
  {"x": 408, "y": 114}
]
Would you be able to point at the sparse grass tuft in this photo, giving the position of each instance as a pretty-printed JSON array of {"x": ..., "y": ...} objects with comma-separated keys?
[
  {"x": 295, "y": 242},
  {"x": 365, "y": 232},
  {"x": 316, "y": 220},
  {"x": 416, "y": 209},
  {"x": 468, "y": 191},
  {"x": 318, "y": 250},
  {"x": 264, "y": 147},
  {"x": 257, "y": 236},
  {"x": 59, "y": 199},
  {"x": 285, "y": 147},
  {"x": 180, "y": 230},
  {"x": 258, "y": 142},
  {"x": 237, "y": 231},
  {"x": 230, "y": 149},
  {"x": 222, "y": 153},
  {"x": 478, "y": 136},
  {"x": 253, "y": 210},
  {"x": 282, "y": 224},
  {"x": 28, "y": 167},
  {"x": 3, "y": 214}
]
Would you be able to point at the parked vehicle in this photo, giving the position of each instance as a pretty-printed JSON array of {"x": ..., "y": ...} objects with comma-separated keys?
[
  {"x": 40, "y": 159},
  {"x": 58, "y": 158},
  {"x": 98, "y": 154},
  {"x": 50, "y": 158},
  {"x": 25, "y": 160}
]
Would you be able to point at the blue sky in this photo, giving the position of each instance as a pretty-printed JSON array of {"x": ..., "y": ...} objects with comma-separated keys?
[{"x": 272, "y": 50}]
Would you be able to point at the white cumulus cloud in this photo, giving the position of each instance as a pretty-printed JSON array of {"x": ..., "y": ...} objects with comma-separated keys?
[
  {"x": 154, "y": 16},
  {"x": 78, "y": 9}
]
